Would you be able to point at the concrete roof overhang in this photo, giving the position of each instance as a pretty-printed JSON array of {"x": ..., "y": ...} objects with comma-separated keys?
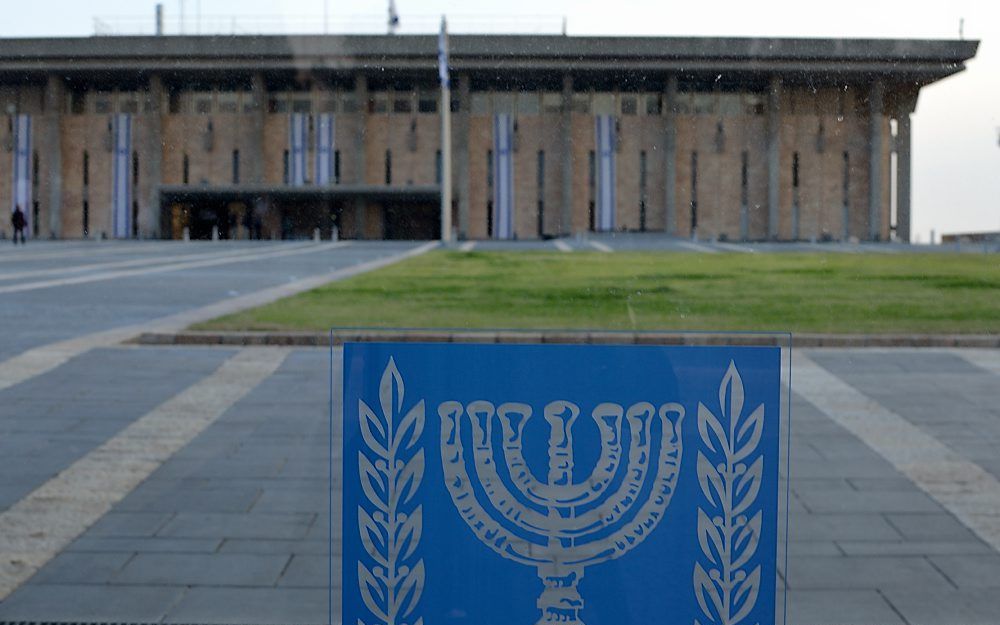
[{"x": 533, "y": 56}]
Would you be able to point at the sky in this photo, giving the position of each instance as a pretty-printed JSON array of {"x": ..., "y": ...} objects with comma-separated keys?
[{"x": 956, "y": 128}]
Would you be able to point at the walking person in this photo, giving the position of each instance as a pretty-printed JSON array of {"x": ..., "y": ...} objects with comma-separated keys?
[{"x": 18, "y": 221}]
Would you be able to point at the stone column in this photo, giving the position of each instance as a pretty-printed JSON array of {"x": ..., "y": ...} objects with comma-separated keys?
[
  {"x": 361, "y": 96},
  {"x": 255, "y": 151},
  {"x": 773, "y": 156},
  {"x": 875, "y": 123},
  {"x": 149, "y": 209},
  {"x": 52, "y": 153},
  {"x": 903, "y": 177},
  {"x": 461, "y": 153},
  {"x": 670, "y": 154},
  {"x": 566, "y": 216}
]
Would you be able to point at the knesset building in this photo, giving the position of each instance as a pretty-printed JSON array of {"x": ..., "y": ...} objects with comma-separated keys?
[{"x": 274, "y": 136}]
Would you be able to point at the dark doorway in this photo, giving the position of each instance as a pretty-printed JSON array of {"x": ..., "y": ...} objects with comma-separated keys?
[{"x": 412, "y": 221}]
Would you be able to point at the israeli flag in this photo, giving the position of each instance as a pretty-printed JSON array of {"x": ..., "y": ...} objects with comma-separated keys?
[
  {"x": 393, "y": 18},
  {"x": 503, "y": 177},
  {"x": 443, "y": 55},
  {"x": 298, "y": 138},
  {"x": 121, "y": 189},
  {"x": 22, "y": 169},
  {"x": 605, "y": 206},
  {"x": 325, "y": 125}
]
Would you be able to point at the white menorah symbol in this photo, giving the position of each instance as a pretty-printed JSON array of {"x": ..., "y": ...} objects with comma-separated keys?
[{"x": 562, "y": 524}]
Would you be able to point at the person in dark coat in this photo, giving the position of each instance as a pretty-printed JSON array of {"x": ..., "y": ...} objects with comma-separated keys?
[{"x": 18, "y": 221}]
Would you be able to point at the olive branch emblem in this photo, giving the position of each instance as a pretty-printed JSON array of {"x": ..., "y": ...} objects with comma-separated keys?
[
  {"x": 391, "y": 588},
  {"x": 728, "y": 534}
]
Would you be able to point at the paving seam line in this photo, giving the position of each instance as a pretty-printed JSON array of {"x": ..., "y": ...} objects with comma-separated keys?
[{"x": 36, "y": 528}]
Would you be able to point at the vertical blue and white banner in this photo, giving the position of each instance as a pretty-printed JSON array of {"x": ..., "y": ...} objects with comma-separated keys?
[
  {"x": 325, "y": 146},
  {"x": 21, "y": 189},
  {"x": 443, "y": 55},
  {"x": 503, "y": 176},
  {"x": 604, "y": 220},
  {"x": 121, "y": 179},
  {"x": 298, "y": 146}
]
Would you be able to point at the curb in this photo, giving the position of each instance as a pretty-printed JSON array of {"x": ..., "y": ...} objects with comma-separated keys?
[{"x": 317, "y": 339}]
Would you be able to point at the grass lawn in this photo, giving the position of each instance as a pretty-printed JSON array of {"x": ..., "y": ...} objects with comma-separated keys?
[{"x": 838, "y": 293}]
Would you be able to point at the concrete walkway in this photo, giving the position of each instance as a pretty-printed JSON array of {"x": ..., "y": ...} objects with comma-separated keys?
[{"x": 231, "y": 528}]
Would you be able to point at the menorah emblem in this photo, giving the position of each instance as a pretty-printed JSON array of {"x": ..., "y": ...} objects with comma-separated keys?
[{"x": 561, "y": 524}]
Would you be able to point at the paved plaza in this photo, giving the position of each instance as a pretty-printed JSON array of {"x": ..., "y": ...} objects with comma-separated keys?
[{"x": 218, "y": 510}]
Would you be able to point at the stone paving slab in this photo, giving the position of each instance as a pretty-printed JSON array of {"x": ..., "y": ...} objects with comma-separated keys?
[
  {"x": 840, "y": 607},
  {"x": 944, "y": 606},
  {"x": 202, "y": 569},
  {"x": 210, "y": 606},
  {"x": 91, "y": 603}
]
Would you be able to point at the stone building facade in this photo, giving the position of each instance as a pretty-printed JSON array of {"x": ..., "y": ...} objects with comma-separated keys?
[{"x": 738, "y": 139}]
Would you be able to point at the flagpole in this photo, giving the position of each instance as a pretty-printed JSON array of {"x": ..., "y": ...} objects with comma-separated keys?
[{"x": 445, "y": 135}]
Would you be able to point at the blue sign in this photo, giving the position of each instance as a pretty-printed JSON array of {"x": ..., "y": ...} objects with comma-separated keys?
[{"x": 520, "y": 484}]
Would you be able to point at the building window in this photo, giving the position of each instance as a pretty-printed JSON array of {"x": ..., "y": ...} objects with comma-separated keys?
[
  {"x": 277, "y": 105},
  {"x": 642, "y": 190},
  {"x": 186, "y": 170},
  {"x": 591, "y": 183},
  {"x": 203, "y": 106},
  {"x": 796, "y": 205},
  {"x": 402, "y": 105},
  {"x": 744, "y": 179},
  {"x": 654, "y": 105},
  {"x": 102, "y": 106},
  {"x": 846, "y": 196},
  {"x": 336, "y": 166},
  {"x": 129, "y": 106},
  {"x": 77, "y": 103},
  {"x": 427, "y": 104},
  {"x": 388, "y": 166},
  {"x": 437, "y": 167},
  {"x": 630, "y": 105},
  {"x": 284, "y": 167},
  {"x": 174, "y": 102},
  {"x": 35, "y": 206},
  {"x": 694, "y": 193},
  {"x": 744, "y": 195},
  {"x": 489, "y": 192},
  {"x": 301, "y": 106},
  {"x": 541, "y": 192},
  {"x": 378, "y": 103},
  {"x": 236, "y": 166}
]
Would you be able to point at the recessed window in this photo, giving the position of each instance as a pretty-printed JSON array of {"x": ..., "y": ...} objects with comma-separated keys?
[
  {"x": 77, "y": 103},
  {"x": 378, "y": 103},
  {"x": 427, "y": 105},
  {"x": 654, "y": 105},
  {"x": 103, "y": 106},
  {"x": 277, "y": 105},
  {"x": 301, "y": 106},
  {"x": 402, "y": 105},
  {"x": 629, "y": 105},
  {"x": 203, "y": 106}
]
